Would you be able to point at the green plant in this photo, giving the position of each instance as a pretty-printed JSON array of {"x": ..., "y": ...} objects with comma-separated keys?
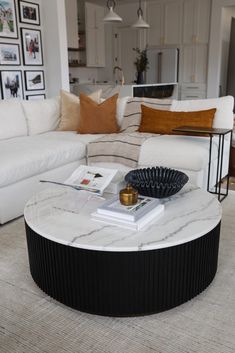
[{"x": 141, "y": 61}]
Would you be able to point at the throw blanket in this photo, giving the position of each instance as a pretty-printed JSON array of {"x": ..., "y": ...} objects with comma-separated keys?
[{"x": 121, "y": 148}]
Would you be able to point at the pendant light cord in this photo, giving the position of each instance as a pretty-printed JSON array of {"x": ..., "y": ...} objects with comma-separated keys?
[
  {"x": 111, "y": 3},
  {"x": 140, "y": 11}
]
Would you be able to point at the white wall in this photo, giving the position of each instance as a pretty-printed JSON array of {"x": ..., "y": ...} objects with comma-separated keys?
[
  {"x": 215, "y": 46},
  {"x": 55, "y": 46}
]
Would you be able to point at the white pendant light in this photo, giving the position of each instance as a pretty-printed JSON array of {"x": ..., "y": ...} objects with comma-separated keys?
[
  {"x": 140, "y": 23},
  {"x": 111, "y": 15}
]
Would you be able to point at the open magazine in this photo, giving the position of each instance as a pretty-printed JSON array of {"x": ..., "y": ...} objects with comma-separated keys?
[{"x": 88, "y": 178}]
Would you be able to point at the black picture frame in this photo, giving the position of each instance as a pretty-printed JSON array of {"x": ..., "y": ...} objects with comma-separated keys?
[
  {"x": 10, "y": 54},
  {"x": 35, "y": 96},
  {"x": 29, "y": 12},
  {"x": 34, "y": 80},
  {"x": 11, "y": 84},
  {"x": 32, "y": 47},
  {"x": 10, "y": 22}
]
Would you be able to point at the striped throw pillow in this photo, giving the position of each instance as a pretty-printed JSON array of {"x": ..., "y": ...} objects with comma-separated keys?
[{"x": 132, "y": 116}]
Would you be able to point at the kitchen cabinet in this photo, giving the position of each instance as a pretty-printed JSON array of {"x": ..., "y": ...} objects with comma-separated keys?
[
  {"x": 95, "y": 38},
  {"x": 196, "y": 21},
  {"x": 71, "y": 23},
  {"x": 194, "y": 64},
  {"x": 194, "y": 71},
  {"x": 164, "y": 18}
]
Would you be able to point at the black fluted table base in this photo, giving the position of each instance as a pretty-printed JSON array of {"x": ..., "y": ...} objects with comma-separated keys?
[{"x": 123, "y": 283}]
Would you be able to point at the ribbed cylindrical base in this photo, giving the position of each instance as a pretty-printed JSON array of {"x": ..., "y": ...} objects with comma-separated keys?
[{"x": 123, "y": 283}]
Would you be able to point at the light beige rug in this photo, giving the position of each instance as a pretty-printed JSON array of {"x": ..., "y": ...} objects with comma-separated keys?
[{"x": 32, "y": 322}]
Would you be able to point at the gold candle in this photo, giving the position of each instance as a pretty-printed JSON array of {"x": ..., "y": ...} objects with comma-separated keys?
[{"x": 128, "y": 196}]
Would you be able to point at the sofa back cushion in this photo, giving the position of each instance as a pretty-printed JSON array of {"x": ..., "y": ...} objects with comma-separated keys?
[
  {"x": 224, "y": 109},
  {"x": 163, "y": 122},
  {"x": 42, "y": 115},
  {"x": 132, "y": 115},
  {"x": 70, "y": 109},
  {"x": 12, "y": 119},
  {"x": 98, "y": 118}
]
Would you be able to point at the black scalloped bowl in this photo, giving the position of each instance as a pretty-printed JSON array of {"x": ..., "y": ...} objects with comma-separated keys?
[{"x": 158, "y": 182}]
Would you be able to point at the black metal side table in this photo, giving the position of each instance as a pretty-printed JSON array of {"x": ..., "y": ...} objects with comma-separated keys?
[{"x": 213, "y": 132}]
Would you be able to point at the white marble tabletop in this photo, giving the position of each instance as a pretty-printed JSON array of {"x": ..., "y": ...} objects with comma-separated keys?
[{"x": 63, "y": 215}]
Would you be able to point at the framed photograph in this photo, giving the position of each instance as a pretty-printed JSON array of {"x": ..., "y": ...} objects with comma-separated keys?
[
  {"x": 31, "y": 97},
  {"x": 11, "y": 82},
  {"x": 9, "y": 54},
  {"x": 34, "y": 80},
  {"x": 29, "y": 12},
  {"x": 8, "y": 24},
  {"x": 32, "y": 46}
]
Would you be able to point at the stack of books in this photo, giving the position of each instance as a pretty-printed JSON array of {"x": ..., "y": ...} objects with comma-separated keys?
[{"x": 135, "y": 217}]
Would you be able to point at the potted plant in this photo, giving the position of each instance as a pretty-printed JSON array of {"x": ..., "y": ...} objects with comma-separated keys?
[{"x": 141, "y": 64}]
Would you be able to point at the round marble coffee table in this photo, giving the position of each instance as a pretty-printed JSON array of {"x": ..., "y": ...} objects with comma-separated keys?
[{"x": 107, "y": 270}]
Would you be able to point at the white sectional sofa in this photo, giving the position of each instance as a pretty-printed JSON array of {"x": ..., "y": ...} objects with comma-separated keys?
[{"x": 31, "y": 149}]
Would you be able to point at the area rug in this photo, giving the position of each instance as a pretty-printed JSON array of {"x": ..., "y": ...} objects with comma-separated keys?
[{"x": 32, "y": 322}]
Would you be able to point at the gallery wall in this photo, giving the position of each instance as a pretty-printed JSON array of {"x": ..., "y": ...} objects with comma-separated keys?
[{"x": 22, "y": 65}]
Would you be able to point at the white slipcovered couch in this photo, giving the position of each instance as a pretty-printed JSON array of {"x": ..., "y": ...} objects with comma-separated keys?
[{"x": 31, "y": 149}]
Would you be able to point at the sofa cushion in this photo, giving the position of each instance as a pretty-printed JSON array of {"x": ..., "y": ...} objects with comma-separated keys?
[
  {"x": 42, "y": 116},
  {"x": 175, "y": 151},
  {"x": 23, "y": 157},
  {"x": 70, "y": 109},
  {"x": 163, "y": 122},
  {"x": 12, "y": 119},
  {"x": 132, "y": 115},
  {"x": 224, "y": 109},
  {"x": 98, "y": 118}
]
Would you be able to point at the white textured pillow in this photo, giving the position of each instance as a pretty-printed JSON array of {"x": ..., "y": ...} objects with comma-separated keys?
[
  {"x": 43, "y": 115},
  {"x": 224, "y": 109},
  {"x": 12, "y": 119}
]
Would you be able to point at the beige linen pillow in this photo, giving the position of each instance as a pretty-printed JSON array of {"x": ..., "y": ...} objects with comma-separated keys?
[{"x": 70, "y": 109}]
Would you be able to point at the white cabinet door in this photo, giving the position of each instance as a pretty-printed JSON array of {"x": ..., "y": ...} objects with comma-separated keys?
[
  {"x": 194, "y": 63},
  {"x": 125, "y": 41},
  {"x": 164, "y": 18},
  {"x": 155, "y": 20},
  {"x": 71, "y": 23},
  {"x": 196, "y": 21},
  {"x": 95, "y": 40},
  {"x": 172, "y": 22}
]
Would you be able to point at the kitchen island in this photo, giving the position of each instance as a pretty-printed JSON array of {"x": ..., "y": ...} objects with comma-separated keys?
[{"x": 155, "y": 90}]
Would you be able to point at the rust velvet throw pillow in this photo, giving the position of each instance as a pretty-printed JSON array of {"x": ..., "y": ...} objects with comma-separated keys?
[
  {"x": 98, "y": 118},
  {"x": 163, "y": 122}
]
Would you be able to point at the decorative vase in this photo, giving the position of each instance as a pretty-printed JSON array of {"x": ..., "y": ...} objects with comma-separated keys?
[{"x": 140, "y": 77}]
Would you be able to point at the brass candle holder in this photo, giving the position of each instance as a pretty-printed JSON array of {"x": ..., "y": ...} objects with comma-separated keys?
[{"x": 128, "y": 196}]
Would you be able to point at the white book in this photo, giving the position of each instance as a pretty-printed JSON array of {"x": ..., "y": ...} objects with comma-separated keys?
[
  {"x": 140, "y": 224},
  {"x": 115, "y": 209}
]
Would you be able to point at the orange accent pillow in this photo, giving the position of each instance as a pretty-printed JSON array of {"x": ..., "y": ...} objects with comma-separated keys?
[
  {"x": 98, "y": 118},
  {"x": 163, "y": 122}
]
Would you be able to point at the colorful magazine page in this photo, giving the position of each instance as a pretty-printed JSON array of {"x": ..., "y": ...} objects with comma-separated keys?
[
  {"x": 91, "y": 178},
  {"x": 88, "y": 178}
]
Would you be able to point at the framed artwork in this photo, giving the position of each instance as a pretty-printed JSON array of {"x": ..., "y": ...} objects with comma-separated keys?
[
  {"x": 31, "y": 97},
  {"x": 34, "y": 80},
  {"x": 29, "y": 12},
  {"x": 9, "y": 54},
  {"x": 32, "y": 46},
  {"x": 11, "y": 84},
  {"x": 8, "y": 24}
]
